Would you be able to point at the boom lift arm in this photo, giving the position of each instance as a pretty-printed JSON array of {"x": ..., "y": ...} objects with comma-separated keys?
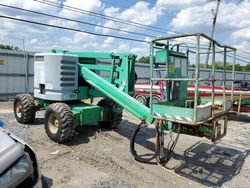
[{"x": 120, "y": 97}]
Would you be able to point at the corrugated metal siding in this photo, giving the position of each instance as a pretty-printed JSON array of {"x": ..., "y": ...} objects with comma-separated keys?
[{"x": 17, "y": 73}]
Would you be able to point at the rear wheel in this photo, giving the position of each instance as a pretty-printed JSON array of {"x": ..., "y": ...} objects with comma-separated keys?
[
  {"x": 59, "y": 122},
  {"x": 156, "y": 99},
  {"x": 113, "y": 114},
  {"x": 24, "y": 108},
  {"x": 142, "y": 99}
]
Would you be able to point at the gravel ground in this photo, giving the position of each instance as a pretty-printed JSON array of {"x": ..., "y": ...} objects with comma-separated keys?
[
  {"x": 22, "y": 131},
  {"x": 109, "y": 183},
  {"x": 101, "y": 158}
]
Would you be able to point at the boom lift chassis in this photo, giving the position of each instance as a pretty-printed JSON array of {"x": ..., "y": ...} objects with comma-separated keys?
[{"x": 203, "y": 117}]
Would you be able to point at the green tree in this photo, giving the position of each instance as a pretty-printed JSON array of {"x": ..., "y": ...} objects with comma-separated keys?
[
  {"x": 8, "y": 47},
  {"x": 144, "y": 60},
  {"x": 238, "y": 67},
  {"x": 247, "y": 68}
]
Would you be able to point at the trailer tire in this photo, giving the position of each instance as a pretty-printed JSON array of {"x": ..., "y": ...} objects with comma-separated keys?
[
  {"x": 114, "y": 114},
  {"x": 156, "y": 99},
  {"x": 59, "y": 122},
  {"x": 24, "y": 108},
  {"x": 142, "y": 99}
]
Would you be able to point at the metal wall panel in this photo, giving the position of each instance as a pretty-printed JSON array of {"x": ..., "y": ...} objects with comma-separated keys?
[{"x": 17, "y": 73}]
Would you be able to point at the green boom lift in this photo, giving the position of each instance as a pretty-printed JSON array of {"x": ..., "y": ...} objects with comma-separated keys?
[{"x": 63, "y": 80}]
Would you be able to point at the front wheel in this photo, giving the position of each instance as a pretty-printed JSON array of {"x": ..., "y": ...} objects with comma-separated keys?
[
  {"x": 59, "y": 122},
  {"x": 24, "y": 108}
]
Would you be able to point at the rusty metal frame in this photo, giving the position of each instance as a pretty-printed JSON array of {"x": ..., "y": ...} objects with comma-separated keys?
[{"x": 197, "y": 78}]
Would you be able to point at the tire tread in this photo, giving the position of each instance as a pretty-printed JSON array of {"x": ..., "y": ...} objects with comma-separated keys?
[
  {"x": 28, "y": 105},
  {"x": 67, "y": 128}
]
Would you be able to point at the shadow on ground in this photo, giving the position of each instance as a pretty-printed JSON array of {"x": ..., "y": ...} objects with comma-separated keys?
[
  {"x": 83, "y": 135},
  {"x": 242, "y": 117},
  {"x": 47, "y": 182},
  {"x": 210, "y": 164},
  {"x": 38, "y": 121},
  {"x": 144, "y": 139}
]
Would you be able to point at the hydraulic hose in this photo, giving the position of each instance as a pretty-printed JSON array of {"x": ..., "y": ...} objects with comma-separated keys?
[
  {"x": 163, "y": 157},
  {"x": 132, "y": 145}
]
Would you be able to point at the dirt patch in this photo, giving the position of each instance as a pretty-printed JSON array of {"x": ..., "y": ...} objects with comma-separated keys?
[{"x": 101, "y": 158}]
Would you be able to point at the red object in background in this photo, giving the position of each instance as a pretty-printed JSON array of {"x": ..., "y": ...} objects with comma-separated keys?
[
  {"x": 242, "y": 108},
  {"x": 204, "y": 91}
]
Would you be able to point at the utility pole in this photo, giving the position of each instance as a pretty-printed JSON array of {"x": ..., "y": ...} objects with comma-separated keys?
[
  {"x": 23, "y": 44},
  {"x": 213, "y": 28}
]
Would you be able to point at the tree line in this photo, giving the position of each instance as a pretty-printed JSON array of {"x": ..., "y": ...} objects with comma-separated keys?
[
  {"x": 218, "y": 65},
  {"x": 8, "y": 47}
]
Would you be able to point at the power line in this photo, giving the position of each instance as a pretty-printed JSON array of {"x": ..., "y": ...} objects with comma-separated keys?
[
  {"x": 239, "y": 59},
  {"x": 95, "y": 14},
  {"x": 81, "y": 22},
  {"x": 87, "y": 23},
  {"x": 74, "y": 9},
  {"x": 78, "y": 30},
  {"x": 245, "y": 52},
  {"x": 88, "y": 32},
  {"x": 71, "y": 29},
  {"x": 91, "y": 13},
  {"x": 68, "y": 19},
  {"x": 244, "y": 57}
]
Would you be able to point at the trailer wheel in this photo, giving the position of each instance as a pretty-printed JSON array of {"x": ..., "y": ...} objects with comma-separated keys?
[
  {"x": 142, "y": 99},
  {"x": 112, "y": 113},
  {"x": 24, "y": 108},
  {"x": 156, "y": 99},
  {"x": 59, "y": 122}
]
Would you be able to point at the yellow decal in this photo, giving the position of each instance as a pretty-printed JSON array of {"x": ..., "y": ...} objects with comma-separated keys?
[
  {"x": 1, "y": 62},
  {"x": 171, "y": 68}
]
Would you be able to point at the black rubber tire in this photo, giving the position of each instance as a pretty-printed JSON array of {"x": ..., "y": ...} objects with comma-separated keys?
[
  {"x": 142, "y": 99},
  {"x": 114, "y": 116},
  {"x": 66, "y": 124},
  {"x": 156, "y": 99},
  {"x": 28, "y": 110}
]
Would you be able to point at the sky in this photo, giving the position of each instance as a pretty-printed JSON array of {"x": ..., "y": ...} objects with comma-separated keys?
[{"x": 172, "y": 16}]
